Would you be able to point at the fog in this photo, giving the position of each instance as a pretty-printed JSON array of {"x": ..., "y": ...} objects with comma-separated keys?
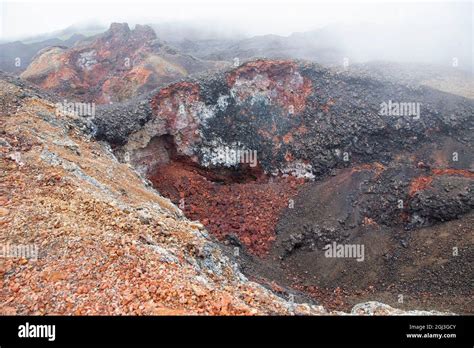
[{"x": 431, "y": 32}]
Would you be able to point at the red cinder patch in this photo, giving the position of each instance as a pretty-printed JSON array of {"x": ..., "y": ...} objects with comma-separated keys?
[
  {"x": 423, "y": 182},
  {"x": 451, "y": 171},
  {"x": 287, "y": 138},
  {"x": 418, "y": 184},
  {"x": 249, "y": 210}
]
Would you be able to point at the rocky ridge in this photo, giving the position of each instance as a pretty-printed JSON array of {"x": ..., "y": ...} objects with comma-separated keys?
[
  {"x": 108, "y": 243},
  {"x": 113, "y": 66}
]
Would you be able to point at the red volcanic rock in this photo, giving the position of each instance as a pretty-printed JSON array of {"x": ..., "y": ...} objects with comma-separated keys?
[
  {"x": 422, "y": 182},
  {"x": 280, "y": 79},
  {"x": 112, "y": 66},
  {"x": 178, "y": 105},
  {"x": 248, "y": 210}
]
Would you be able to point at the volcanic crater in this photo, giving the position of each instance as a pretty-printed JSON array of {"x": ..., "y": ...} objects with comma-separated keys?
[{"x": 330, "y": 169}]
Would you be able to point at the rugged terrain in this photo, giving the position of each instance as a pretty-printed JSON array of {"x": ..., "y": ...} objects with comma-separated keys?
[
  {"x": 108, "y": 243},
  {"x": 331, "y": 168},
  {"x": 275, "y": 158},
  {"x": 113, "y": 66},
  {"x": 16, "y": 56}
]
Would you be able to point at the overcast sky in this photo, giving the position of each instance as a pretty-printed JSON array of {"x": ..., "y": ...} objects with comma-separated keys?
[{"x": 23, "y": 19}]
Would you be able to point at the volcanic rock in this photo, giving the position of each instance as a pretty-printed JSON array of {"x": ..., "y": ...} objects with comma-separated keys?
[
  {"x": 362, "y": 182},
  {"x": 113, "y": 66}
]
